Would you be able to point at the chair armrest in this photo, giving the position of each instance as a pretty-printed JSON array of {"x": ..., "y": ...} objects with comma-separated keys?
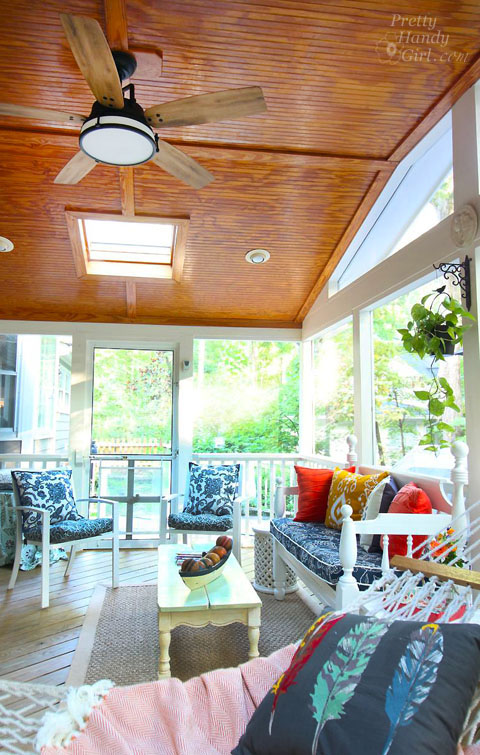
[
  {"x": 403, "y": 524},
  {"x": 241, "y": 499},
  {"x": 97, "y": 500},
  {"x": 29, "y": 508},
  {"x": 281, "y": 492},
  {"x": 385, "y": 524},
  {"x": 172, "y": 496},
  {"x": 44, "y": 514}
]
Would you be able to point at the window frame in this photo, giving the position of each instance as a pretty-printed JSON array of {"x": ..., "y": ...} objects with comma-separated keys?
[
  {"x": 87, "y": 268},
  {"x": 7, "y": 432}
]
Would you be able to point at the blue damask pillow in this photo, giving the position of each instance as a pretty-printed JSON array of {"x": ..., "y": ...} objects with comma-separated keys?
[
  {"x": 49, "y": 489},
  {"x": 212, "y": 490}
]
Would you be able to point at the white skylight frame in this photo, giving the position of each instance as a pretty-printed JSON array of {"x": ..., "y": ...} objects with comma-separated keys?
[{"x": 113, "y": 261}]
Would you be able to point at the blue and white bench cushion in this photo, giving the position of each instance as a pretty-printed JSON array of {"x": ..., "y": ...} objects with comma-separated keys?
[
  {"x": 316, "y": 547},
  {"x": 186, "y": 521}
]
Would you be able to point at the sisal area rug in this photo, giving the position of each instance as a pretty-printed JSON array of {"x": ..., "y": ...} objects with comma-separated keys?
[{"x": 119, "y": 639}]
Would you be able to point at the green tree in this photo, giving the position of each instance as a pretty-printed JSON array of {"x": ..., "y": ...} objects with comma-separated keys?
[{"x": 246, "y": 395}]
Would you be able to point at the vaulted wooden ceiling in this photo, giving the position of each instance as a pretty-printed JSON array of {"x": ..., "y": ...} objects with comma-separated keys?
[{"x": 297, "y": 180}]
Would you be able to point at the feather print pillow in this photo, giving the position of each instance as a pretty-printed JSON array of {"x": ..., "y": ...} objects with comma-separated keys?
[{"x": 363, "y": 686}]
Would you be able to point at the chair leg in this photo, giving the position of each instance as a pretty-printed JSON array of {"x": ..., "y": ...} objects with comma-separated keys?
[
  {"x": 115, "y": 547},
  {"x": 73, "y": 553},
  {"x": 16, "y": 562},
  {"x": 185, "y": 539},
  {"x": 237, "y": 550},
  {"x": 46, "y": 570}
]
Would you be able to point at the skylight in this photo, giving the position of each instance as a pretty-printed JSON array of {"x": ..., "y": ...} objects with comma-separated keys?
[
  {"x": 127, "y": 247},
  {"x": 113, "y": 241}
]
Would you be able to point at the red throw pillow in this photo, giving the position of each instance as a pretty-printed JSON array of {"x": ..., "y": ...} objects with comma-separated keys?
[
  {"x": 313, "y": 488},
  {"x": 409, "y": 500}
]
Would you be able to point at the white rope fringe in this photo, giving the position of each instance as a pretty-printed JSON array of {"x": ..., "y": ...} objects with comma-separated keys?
[{"x": 60, "y": 726}]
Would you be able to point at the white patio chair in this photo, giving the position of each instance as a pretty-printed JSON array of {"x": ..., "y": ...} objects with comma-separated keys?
[
  {"x": 175, "y": 521},
  {"x": 59, "y": 533}
]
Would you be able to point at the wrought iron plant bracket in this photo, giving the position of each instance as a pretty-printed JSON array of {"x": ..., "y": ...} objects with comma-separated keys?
[{"x": 459, "y": 274}]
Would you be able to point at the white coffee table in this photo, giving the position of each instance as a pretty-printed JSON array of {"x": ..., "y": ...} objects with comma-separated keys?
[{"x": 229, "y": 598}]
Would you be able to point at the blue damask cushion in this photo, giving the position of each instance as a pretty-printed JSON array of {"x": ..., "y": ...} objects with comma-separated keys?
[
  {"x": 316, "y": 546},
  {"x": 186, "y": 521},
  {"x": 49, "y": 489},
  {"x": 212, "y": 490},
  {"x": 68, "y": 530}
]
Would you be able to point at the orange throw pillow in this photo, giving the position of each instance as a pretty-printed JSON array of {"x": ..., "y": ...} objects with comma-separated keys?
[
  {"x": 409, "y": 500},
  {"x": 313, "y": 488}
]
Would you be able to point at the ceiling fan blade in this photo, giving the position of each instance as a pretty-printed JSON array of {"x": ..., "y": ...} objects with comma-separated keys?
[
  {"x": 182, "y": 166},
  {"x": 228, "y": 105},
  {"x": 76, "y": 169},
  {"x": 94, "y": 58},
  {"x": 40, "y": 113}
]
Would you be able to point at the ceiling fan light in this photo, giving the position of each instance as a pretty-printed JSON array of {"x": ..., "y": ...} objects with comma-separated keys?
[{"x": 117, "y": 140}]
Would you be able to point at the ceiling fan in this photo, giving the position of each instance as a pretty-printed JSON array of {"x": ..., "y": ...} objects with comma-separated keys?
[{"x": 119, "y": 131}]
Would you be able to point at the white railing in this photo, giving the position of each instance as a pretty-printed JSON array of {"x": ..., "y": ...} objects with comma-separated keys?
[
  {"x": 261, "y": 473},
  {"x": 32, "y": 461}
]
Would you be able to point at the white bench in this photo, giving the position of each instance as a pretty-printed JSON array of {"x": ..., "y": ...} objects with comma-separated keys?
[{"x": 341, "y": 591}]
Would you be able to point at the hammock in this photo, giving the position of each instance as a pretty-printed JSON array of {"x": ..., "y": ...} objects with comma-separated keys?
[{"x": 36, "y": 715}]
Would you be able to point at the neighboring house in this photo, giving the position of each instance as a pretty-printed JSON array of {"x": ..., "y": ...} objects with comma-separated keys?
[{"x": 35, "y": 374}]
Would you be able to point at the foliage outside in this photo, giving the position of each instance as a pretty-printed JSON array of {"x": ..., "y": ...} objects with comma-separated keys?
[
  {"x": 246, "y": 396},
  {"x": 400, "y": 416},
  {"x": 434, "y": 330},
  {"x": 333, "y": 390},
  {"x": 132, "y": 399}
]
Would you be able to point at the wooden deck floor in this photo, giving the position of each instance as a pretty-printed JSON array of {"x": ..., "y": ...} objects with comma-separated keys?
[{"x": 38, "y": 645}]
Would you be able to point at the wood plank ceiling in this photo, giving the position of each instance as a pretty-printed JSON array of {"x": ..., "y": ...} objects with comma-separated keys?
[{"x": 297, "y": 180}]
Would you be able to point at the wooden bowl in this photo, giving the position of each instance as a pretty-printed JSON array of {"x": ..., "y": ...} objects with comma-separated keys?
[{"x": 197, "y": 579}]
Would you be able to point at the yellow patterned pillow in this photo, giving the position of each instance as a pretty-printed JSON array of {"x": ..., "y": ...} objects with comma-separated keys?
[{"x": 351, "y": 488}]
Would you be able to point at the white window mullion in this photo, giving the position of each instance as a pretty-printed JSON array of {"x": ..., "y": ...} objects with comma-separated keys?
[{"x": 363, "y": 385}]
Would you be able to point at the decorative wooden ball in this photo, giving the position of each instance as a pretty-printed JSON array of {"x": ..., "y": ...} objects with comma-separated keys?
[
  {"x": 196, "y": 566},
  {"x": 187, "y": 564},
  {"x": 206, "y": 561},
  {"x": 213, "y": 557},
  {"x": 221, "y": 551},
  {"x": 225, "y": 542}
]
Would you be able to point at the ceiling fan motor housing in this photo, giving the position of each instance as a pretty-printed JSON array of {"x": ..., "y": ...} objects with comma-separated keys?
[
  {"x": 125, "y": 63},
  {"x": 118, "y": 137}
]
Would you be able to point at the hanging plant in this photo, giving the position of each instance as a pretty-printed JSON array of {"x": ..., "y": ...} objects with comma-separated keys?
[{"x": 435, "y": 329}]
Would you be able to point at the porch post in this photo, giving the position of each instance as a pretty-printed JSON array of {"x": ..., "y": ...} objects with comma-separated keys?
[
  {"x": 184, "y": 415},
  {"x": 79, "y": 416},
  {"x": 466, "y": 171},
  {"x": 306, "y": 440},
  {"x": 363, "y": 395}
]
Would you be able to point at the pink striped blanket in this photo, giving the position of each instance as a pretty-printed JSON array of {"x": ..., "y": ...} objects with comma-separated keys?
[{"x": 207, "y": 714}]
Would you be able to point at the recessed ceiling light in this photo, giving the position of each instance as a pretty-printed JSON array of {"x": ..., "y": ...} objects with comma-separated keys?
[
  {"x": 257, "y": 256},
  {"x": 5, "y": 244}
]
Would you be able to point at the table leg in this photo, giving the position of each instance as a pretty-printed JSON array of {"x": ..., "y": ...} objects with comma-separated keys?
[
  {"x": 253, "y": 632},
  {"x": 164, "y": 660},
  {"x": 164, "y": 636}
]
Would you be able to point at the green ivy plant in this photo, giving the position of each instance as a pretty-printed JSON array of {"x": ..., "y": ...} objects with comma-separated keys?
[{"x": 435, "y": 329}]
